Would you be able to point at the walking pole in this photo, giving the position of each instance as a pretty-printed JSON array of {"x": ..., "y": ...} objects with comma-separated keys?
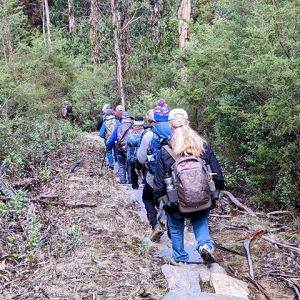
[{"x": 102, "y": 164}]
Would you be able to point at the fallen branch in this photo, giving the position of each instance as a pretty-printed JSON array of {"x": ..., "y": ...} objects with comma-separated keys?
[
  {"x": 74, "y": 166},
  {"x": 292, "y": 286},
  {"x": 282, "y": 245},
  {"x": 238, "y": 203},
  {"x": 221, "y": 216},
  {"x": 3, "y": 168},
  {"x": 68, "y": 205},
  {"x": 5, "y": 190},
  {"x": 24, "y": 183},
  {"x": 259, "y": 287},
  {"x": 249, "y": 259}
]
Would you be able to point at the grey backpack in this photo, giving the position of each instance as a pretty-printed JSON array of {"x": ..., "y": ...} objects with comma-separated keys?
[{"x": 191, "y": 182}]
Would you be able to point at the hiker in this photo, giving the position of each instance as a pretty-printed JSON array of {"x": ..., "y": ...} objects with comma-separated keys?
[
  {"x": 101, "y": 117},
  {"x": 133, "y": 143},
  {"x": 119, "y": 110},
  {"x": 193, "y": 199},
  {"x": 151, "y": 143},
  {"x": 67, "y": 111},
  {"x": 119, "y": 138},
  {"x": 107, "y": 129}
]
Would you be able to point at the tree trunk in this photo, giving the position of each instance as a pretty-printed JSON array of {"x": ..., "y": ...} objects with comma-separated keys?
[
  {"x": 156, "y": 11},
  {"x": 94, "y": 30},
  {"x": 48, "y": 24},
  {"x": 72, "y": 23},
  {"x": 184, "y": 17},
  {"x": 126, "y": 36},
  {"x": 118, "y": 56}
]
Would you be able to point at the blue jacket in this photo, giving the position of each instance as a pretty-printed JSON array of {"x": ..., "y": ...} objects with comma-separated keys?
[{"x": 102, "y": 132}]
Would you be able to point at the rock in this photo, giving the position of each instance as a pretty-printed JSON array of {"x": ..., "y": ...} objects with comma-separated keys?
[
  {"x": 183, "y": 281},
  {"x": 226, "y": 285},
  {"x": 216, "y": 268},
  {"x": 204, "y": 273},
  {"x": 211, "y": 296}
]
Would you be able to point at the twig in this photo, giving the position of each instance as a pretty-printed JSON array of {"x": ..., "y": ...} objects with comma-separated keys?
[
  {"x": 221, "y": 216},
  {"x": 249, "y": 259},
  {"x": 282, "y": 245},
  {"x": 238, "y": 203},
  {"x": 74, "y": 166},
  {"x": 292, "y": 286},
  {"x": 259, "y": 287}
]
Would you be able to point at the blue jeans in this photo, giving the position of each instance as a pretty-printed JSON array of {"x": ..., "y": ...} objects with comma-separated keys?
[
  {"x": 176, "y": 227},
  {"x": 110, "y": 156},
  {"x": 123, "y": 168}
]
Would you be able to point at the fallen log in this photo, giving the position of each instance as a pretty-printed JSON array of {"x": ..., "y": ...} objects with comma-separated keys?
[
  {"x": 238, "y": 203},
  {"x": 249, "y": 259},
  {"x": 74, "y": 166}
]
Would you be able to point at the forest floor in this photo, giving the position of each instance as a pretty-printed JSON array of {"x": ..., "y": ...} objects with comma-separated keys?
[{"x": 95, "y": 246}]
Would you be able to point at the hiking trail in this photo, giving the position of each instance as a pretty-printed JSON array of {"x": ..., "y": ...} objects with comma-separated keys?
[{"x": 97, "y": 245}]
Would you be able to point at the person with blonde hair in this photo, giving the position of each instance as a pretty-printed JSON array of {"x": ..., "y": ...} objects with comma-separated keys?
[{"x": 186, "y": 144}]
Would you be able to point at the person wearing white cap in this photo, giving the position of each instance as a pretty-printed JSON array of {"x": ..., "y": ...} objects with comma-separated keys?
[{"x": 186, "y": 143}]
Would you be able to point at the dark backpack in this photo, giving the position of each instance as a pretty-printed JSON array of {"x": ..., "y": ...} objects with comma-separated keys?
[
  {"x": 192, "y": 183},
  {"x": 134, "y": 138},
  {"x": 161, "y": 136},
  {"x": 123, "y": 131}
]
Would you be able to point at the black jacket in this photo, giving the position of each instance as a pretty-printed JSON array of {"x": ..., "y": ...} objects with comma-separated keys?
[{"x": 164, "y": 164}]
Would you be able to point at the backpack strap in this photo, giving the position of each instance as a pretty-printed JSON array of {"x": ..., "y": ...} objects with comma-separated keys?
[
  {"x": 125, "y": 132},
  {"x": 170, "y": 151}
]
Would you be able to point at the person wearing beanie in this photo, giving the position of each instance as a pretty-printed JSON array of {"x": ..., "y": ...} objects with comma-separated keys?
[
  {"x": 119, "y": 138},
  {"x": 185, "y": 142},
  {"x": 147, "y": 153}
]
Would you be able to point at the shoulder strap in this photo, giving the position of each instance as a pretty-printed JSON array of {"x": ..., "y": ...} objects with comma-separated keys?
[
  {"x": 125, "y": 132},
  {"x": 170, "y": 151}
]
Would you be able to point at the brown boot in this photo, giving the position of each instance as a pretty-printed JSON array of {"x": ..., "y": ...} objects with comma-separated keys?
[{"x": 156, "y": 234}]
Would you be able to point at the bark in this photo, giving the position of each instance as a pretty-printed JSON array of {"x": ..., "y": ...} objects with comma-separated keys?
[
  {"x": 156, "y": 11},
  {"x": 48, "y": 23},
  {"x": 94, "y": 30},
  {"x": 72, "y": 22},
  {"x": 126, "y": 36},
  {"x": 184, "y": 17},
  {"x": 117, "y": 50}
]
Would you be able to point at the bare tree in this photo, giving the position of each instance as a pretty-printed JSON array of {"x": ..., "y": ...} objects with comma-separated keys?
[
  {"x": 184, "y": 17},
  {"x": 72, "y": 22},
  {"x": 94, "y": 30},
  {"x": 118, "y": 57},
  {"x": 48, "y": 23}
]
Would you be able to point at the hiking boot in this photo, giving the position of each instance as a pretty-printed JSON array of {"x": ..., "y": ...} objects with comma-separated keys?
[
  {"x": 207, "y": 254},
  {"x": 135, "y": 186},
  {"x": 156, "y": 234}
]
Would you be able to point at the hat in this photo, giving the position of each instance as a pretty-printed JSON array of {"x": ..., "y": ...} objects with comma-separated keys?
[
  {"x": 126, "y": 115},
  {"x": 178, "y": 113},
  {"x": 161, "y": 111},
  {"x": 106, "y": 107},
  {"x": 109, "y": 114},
  {"x": 120, "y": 108},
  {"x": 138, "y": 120}
]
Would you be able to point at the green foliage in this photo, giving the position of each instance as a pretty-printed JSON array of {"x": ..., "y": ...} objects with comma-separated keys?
[{"x": 34, "y": 227}]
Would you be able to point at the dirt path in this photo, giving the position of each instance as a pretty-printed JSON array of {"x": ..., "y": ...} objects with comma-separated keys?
[
  {"x": 104, "y": 251},
  {"x": 91, "y": 253}
]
